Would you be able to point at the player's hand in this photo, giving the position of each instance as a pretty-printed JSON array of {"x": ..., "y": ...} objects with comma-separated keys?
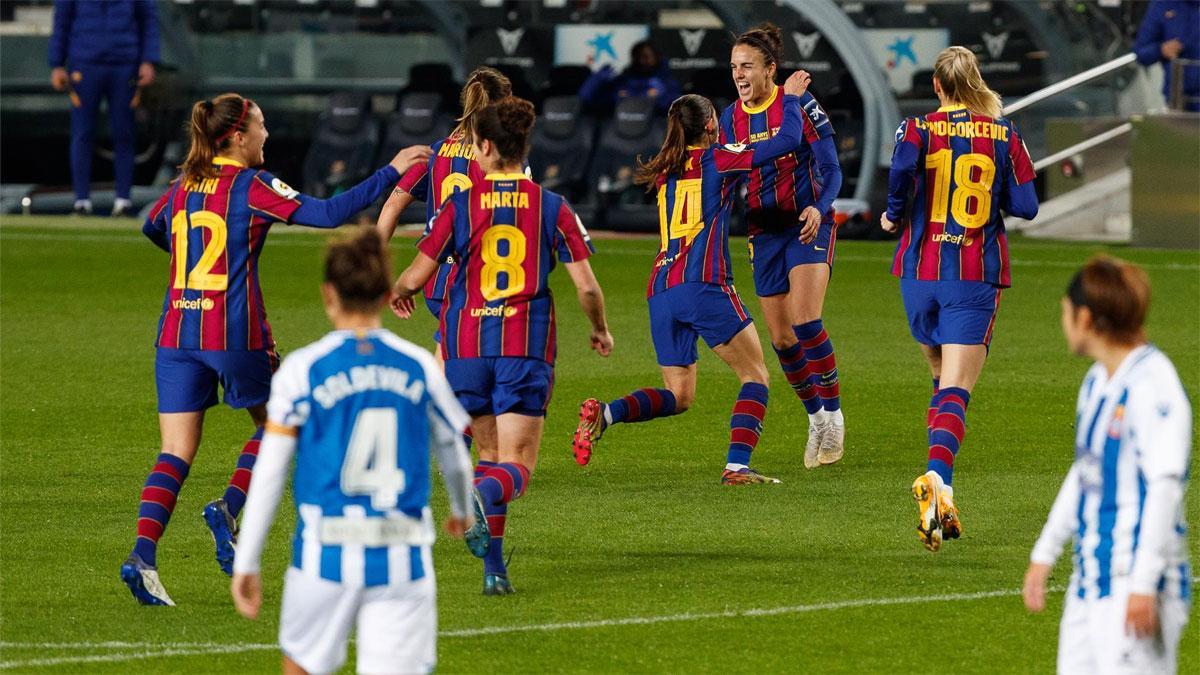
[
  {"x": 1171, "y": 49},
  {"x": 1034, "y": 590},
  {"x": 247, "y": 594},
  {"x": 1141, "y": 616},
  {"x": 58, "y": 79},
  {"x": 402, "y": 303},
  {"x": 797, "y": 83},
  {"x": 602, "y": 342},
  {"x": 145, "y": 74},
  {"x": 886, "y": 223},
  {"x": 810, "y": 221},
  {"x": 409, "y": 156},
  {"x": 457, "y": 527}
]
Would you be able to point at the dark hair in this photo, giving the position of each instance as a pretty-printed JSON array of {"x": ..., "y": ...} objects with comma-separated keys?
[
  {"x": 484, "y": 85},
  {"x": 685, "y": 126},
  {"x": 507, "y": 124},
  {"x": 767, "y": 38},
  {"x": 359, "y": 269},
  {"x": 212, "y": 126},
  {"x": 1117, "y": 293}
]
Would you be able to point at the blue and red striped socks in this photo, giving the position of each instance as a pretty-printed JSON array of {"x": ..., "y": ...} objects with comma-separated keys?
[
  {"x": 497, "y": 514},
  {"x": 799, "y": 376},
  {"x": 821, "y": 362},
  {"x": 502, "y": 483},
  {"x": 640, "y": 406},
  {"x": 946, "y": 432},
  {"x": 239, "y": 482},
  {"x": 933, "y": 404},
  {"x": 158, "y": 501},
  {"x": 745, "y": 424}
]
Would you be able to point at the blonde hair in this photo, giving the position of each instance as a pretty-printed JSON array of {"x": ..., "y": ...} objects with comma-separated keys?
[
  {"x": 957, "y": 70},
  {"x": 484, "y": 86}
]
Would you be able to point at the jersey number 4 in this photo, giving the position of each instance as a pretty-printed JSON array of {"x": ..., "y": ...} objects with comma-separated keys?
[
  {"x": 971, "y": 205},
  {"x": 370, "y": 465},
  {"x": 201, "y": 277}
]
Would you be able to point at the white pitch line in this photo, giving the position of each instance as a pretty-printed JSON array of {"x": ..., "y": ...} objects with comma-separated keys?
[{"x": 133, "y": 656}]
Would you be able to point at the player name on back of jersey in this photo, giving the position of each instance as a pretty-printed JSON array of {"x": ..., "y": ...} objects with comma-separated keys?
[
  {"x": 977, "y": 129},
  {"x": 504, "y": 200},
  {"x": 456, "y": 150},
  {"x": 367, "y": 378}
]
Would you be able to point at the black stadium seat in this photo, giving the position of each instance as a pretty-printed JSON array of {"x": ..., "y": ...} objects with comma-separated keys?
[
  {"x": 419, "y": 119},
  {"x": 432, "y": 77},
  {"x": 565, "y": 81},
  {"x": 563, "y": 139},
  {"x": 633, "y": 131},
  {"x": 343, "y": 147}
]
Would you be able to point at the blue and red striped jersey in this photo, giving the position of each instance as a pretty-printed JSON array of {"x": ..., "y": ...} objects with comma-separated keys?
[
  {"x": 506, "y": 231},
  {"x": 452, "y": 168},
  {"x": 216, "y": 228},
  {"x": 952, "y": 173},
  {"x": 779, "y": 191}
]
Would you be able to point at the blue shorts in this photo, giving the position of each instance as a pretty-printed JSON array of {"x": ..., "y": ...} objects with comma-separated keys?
[
  {"x": 498, "y": 385},
  {"x": 774, "y": 254},
  {"x": 682, "y": 313},
  {"x": 950, "y": 312},
  {"x": 187, "y": 379}
]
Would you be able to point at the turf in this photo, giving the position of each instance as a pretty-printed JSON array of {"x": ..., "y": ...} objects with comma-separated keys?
[{"x": 652, "y": 565}]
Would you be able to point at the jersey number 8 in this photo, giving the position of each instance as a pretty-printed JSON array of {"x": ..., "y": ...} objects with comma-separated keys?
[
  {"x": 964, "y": 188},
  {"x": 495, "y": 262},
  {"x": 370, "y": 465}
]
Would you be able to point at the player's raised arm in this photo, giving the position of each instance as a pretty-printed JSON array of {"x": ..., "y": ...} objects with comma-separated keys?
[
  {"x": 413, "y": 185},
  {"x": 332, "y": 212}
]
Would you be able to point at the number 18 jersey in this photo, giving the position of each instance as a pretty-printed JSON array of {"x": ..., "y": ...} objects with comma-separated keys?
[{"x": 506, "y": 231}]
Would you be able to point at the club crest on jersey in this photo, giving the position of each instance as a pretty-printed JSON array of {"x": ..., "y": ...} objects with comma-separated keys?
[
  {"x": 283, "y": 189},
  {"x": 1114, "y": 427}
]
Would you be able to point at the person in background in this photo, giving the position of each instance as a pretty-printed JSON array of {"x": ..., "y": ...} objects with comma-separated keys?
[
  {"x": 1171, "y": 30},
  {"x": 646, "y": 75},
  {"x": 103, "y": 50}
]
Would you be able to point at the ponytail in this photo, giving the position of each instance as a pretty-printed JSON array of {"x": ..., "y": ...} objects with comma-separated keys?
[
  {"x": 484, "y": 86},
  {"x": 213, "y": 124},
  {"x": 685, "y": 126},
  {"x": 957, "y": 71}
]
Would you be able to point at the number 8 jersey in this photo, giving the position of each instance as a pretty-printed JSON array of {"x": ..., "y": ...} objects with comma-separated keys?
[
  {"x": 216, "y": 228},
  {"x": 507, "y": 231},
  {"x": 955, "y": 171}
]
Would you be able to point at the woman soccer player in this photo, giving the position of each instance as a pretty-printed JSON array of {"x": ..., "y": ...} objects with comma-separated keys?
[
  {"x": 952, "y": 172},
  {"x": 451, "y": 169},
  {"x": 691, "y": 290},
  {"x": 791, "y": 235},
  {"x": 361, "y": 410},
  {"x": 214, "y": 221},
  {"x": 498, "y": 324},
  {"x": 1123, "y": 497}
]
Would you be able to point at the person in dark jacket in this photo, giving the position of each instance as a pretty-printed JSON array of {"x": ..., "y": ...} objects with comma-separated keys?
[
  {"x": 103, "y": 50},
  {"x": 1171, "y": 30},
  {"x": 646, "y": 75}
]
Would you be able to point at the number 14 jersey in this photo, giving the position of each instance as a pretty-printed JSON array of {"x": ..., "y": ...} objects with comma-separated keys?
[{"x": 506, "y": 231}]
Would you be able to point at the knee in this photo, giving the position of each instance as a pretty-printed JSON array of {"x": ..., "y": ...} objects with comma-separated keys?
[
  {"x": 756, "y": 375},
  {"x": 784, "y": 342},
  {"x": 683, "y": 400}
]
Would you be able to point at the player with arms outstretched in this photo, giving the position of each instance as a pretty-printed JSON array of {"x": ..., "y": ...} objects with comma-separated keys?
[
  {"x": 213, "y": 331},
  {"x": 361, "y": 410},
  {"x": 691, "y": 291},
  {"x": 498, "y": 328},
  {"x": 953, "y": 171},
  {"x": 791, "y": 234}
]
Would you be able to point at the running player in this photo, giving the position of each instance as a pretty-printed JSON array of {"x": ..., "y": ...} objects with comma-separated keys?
[
  {"x": 691, "y": 291},
  {"x": 1123, "y": 498},
  {"x": 791, "y": 235},
  {"x": 498, "y": 323},
  {"x": 361, "y": 410},
  {"x": 952, "y": 172},
  {"x": 451, "y": 169},
  {"x": 214, "y": 221}
]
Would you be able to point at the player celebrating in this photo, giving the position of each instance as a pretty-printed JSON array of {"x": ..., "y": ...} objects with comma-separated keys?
[
  {"x": 360, "y": 410},
  {"x": 498, "y": 324},
  {"x": 954, "y": 170},
  {"x": 451, "y": 169},
  {"x": 791, "y": 235},
  {"x": 691, "y": 290},
  {"x": 1123, "y": 497},
  {"x": 213, "y": 330}
]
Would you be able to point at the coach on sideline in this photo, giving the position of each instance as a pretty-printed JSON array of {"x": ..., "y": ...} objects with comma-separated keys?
[{"x": 103, "y": 50}]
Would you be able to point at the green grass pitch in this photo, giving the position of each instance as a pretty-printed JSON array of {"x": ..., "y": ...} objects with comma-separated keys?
[{"x": 639, "y": 562}]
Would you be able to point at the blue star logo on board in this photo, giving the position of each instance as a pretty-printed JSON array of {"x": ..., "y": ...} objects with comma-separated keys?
[
  {"x": 602, "y": 43},
  {"x": 902, "y": 49}
]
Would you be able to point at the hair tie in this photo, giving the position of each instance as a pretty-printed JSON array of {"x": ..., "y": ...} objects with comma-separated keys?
[{"x": 237, "y": 124}]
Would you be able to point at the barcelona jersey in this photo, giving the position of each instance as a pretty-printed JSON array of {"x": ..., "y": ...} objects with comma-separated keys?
[
  {"x": 952, "y": 173},
  {"x": 506, "y": 231},
  {"x": 216, "y": 228},
  {"x": 452, "y": 168},
  {"x": 778, "y": 192}
]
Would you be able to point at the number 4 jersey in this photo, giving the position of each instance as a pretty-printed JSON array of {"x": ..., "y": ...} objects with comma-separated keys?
[
  {"x": 955, "y": 171},
  {"x": 508, "y": 233},
  {"x": 216, "y": 228}
]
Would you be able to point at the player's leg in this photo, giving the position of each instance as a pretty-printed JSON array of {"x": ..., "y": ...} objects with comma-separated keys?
[
  {"x": 316, "y": 617},
  {"x": 122, "y": 87},
  {"x": 397, "y": 628},
  {"x": 87, "y": 86},
  {"x": 808, "y": 282},
  {"x": 933, "y": 356},
  {"x": 1076, "y": 652},
  {"x": 483, "y": 541},
  {"x": 519, "y": 435},
  {"x": 743, "y": 354}
]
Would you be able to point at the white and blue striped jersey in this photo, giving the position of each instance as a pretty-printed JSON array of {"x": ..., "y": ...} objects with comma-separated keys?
[
  {"x": 367, "y": 409},
  {"x": 1123, "y": 498}
]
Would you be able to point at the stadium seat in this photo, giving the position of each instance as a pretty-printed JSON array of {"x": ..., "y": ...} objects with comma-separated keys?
[
  {"x": 565, "y": 81},
  {"x": 344, "y": 145},
  {"x": 563, "y": 139},
  {"x": 633, "y": 131},
  {"x": 432, "y": 77},
  {"x": 419, "y": 119},
  {"x": 520, "y": 82}
]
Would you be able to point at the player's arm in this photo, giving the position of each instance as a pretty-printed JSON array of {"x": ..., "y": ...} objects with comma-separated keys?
[
  {"x": 1020, "y": 196},
  {"x": 1057, "y": 530},
  {"x": 791, "y": 130},
  {"x": 430, "y": 249},
  {"x": 332, "y": 212},
  {"x": 414, "y": 184},
  {"x": 262, "y": 499},
  {"x": 447, "y": 421},
  {"x": 574, "y": 247},
  {"x": 155, "y": 227},
  {"x": 902, "y": 173}
]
